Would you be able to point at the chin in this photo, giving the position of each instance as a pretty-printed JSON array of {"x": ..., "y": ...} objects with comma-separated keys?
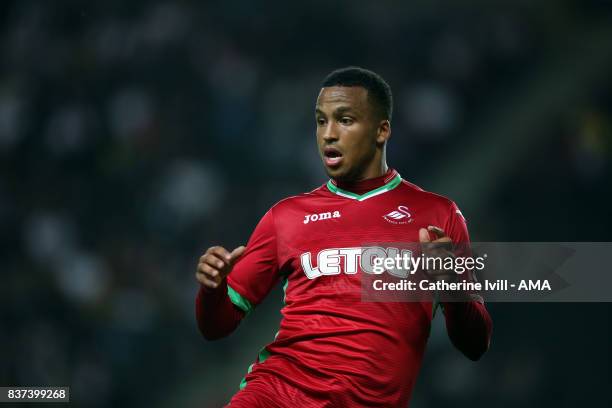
[{"x": 339, "y": 173}]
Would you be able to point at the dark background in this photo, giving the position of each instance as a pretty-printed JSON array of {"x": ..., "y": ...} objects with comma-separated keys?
[{"x": 134, "y": 135}]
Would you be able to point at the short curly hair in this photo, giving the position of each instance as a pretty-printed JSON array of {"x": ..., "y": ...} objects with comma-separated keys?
[{"x": 379, "y": 91}]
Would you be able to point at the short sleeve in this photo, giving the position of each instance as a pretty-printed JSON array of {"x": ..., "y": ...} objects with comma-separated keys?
[{"x": 256, "y": 271}]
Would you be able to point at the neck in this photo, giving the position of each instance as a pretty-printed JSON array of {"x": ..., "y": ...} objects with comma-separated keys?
[
  {"x": 368, "y": 182},
  {"x": 377, "y": 167},
  {"x": 373, "y": 172}
]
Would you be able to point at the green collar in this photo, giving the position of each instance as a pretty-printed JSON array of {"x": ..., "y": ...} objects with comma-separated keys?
[{"x": 388, "y": 186}]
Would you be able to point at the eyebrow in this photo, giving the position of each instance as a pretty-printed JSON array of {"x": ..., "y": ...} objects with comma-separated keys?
[
  {"x": 338, "y": 111},
  {"x": 343, "y": 109}
]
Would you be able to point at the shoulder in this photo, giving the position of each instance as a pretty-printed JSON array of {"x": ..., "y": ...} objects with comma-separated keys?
[
  {"x": 432, "y": 200},
  {"x": 299, "y": 201},
  {"x": 291, "y": 210}
]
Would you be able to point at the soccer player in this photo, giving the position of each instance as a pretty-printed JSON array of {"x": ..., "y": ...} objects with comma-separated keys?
[{"x": 333, "y": 349}]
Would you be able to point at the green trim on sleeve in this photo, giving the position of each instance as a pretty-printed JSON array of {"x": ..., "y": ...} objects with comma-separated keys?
[
  {"x": 243, "y": 383},
  {"x": 285, "y": 284},
  {"x": 263, "y": 356},
  {"x": 264, "y": 353},
  {"x": 241, "y": 302}
]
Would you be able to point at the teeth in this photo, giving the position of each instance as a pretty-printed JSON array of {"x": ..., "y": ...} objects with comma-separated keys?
[{"x": 332, "y": 157}]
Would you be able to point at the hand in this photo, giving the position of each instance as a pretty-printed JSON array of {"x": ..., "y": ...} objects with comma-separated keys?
[
  {"x": 441, "y": 247},
  {"x": 216, "y": 264}
]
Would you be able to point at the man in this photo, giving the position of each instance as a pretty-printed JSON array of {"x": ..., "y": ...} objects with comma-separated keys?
[{"x": 333, "y": 349}]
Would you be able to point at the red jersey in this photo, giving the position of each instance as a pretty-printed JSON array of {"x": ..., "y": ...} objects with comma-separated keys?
[{"x": 331, "y": 346}]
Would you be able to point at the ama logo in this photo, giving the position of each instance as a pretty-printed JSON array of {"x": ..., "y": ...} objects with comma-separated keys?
[{"x": 400, "y": 216}]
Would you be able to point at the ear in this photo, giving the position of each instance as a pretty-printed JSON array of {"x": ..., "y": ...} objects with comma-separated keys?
[{"x": 384, "y": 131}]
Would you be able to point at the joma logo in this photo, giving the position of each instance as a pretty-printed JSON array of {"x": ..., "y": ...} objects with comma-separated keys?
[{"x": 321, "y": 216}]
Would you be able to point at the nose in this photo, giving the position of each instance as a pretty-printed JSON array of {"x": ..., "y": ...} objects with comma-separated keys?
[{"x": 329, "y": 132}]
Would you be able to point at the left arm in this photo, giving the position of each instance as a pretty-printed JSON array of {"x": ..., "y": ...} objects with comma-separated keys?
[
  {"x": 468, "y": 323},
  {"x": 469, "y": 327}
]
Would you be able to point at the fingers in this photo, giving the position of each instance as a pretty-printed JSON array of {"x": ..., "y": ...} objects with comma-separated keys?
[
  {"x": 217, "y": 257},
  {"x": 440, "y": 235},
  {"x": 214, "y": 261},
  {"x": 236, "y": 253},
  {"x": 213, "y": 266},
  {"x": 439, "y": 232},
  {"x": 440, "y": 247},
  {"x": 220, "y": 252},
  {"x": 216, "y": 264},
  {"x": 208, "y": 276},
  {"x": 424, "y": 235}
]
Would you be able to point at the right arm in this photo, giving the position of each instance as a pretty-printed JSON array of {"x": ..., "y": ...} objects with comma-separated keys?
[
  {"x": 216, "y": 315},
  {"x": 232, "y": 284}
]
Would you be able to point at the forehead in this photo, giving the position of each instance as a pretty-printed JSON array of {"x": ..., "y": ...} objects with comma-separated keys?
[{"x": 332, "y": 97}]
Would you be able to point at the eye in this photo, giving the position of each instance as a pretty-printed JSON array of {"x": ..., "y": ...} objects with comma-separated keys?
[
  {"x": 346, "y": 121},
  {"x": 320, "y": 121}
]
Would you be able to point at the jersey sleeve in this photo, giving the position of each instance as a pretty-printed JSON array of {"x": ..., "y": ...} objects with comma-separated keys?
[
  {"x": 456, "y": 227},
  {"x": 456, "y": 230},
  {"x": 468, "y": 324},
  {"x": 256, "y": 272}
]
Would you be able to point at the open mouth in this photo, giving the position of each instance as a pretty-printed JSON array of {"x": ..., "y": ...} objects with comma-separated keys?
[{"x": 332, "y": 156}]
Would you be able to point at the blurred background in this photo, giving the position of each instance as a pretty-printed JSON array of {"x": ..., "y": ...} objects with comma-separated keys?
[{"x": 131, "y": 133}]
